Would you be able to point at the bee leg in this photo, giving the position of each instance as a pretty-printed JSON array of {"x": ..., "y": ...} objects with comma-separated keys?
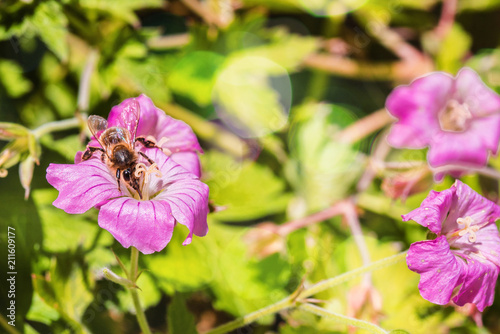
[
  {"x": 89, "y": 151},
  {"x": 147, "y": 158},
  {"x": 146, "y": 142},
  {"x": 118, "y": 178}
]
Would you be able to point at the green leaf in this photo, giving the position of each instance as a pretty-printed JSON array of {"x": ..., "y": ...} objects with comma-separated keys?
[
  {"x": 194, "y": 76},
  {"x": 62, "y": 231},
  {"x": 285, "y": 49},
  {"x": 41, "y": 311},
  {"x": 479, "y": 5},
  {"x": 240, "y": 284},
  {"x": 50, "y": 23},
  {"x": 238, "y": 188},
  {"x": 122, "y": 9},
  {"x": 11, "y": 77},
  {"x": 321, "y": 169},
  {"x": 67, "y": 146},
  {"x": 181, "y": 268},
  {"x": 252, "y": 95},
  {"x": 453, "y": 49},
  {"x": 179, "y": 319}
]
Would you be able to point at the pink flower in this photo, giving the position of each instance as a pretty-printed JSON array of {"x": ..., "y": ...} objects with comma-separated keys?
[
  {"x": 173, "y": 195},
  {"x": 457, "y": 118},
  {"x": 141, "y": 191},
  {"x": 175, "y": 137},
  {"x": 463, "y": 261}
]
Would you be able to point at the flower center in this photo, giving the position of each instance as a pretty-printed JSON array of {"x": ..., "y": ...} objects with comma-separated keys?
[
  {"x": 455, "y": 116},
  {"x": 468, "y": 229},
  {"x": 142, "y": 169}
]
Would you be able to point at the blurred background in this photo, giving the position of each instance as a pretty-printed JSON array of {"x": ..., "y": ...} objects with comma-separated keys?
[{"x": 273, "y": 90}]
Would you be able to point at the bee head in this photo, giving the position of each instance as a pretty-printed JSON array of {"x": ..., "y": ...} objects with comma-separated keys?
[{"x": 127, "y": 173}]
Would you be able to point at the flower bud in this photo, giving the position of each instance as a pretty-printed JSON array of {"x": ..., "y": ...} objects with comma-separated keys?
[
  {"x": 407, "y": 183},
  {"x": 9, "y": 131},
  {"x": 108, "y": 274}
]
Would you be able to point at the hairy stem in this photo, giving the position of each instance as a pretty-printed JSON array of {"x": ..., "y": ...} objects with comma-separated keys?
[
  {"x": 141, "y": 317},
  {"x": 64, "y": 124},
  {"x": 343, "y": 319}
]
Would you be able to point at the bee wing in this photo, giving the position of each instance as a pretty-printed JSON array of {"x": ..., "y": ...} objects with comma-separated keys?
[
  {"x": 129, "y": 118},
  {"x": 97, "y": 125}
]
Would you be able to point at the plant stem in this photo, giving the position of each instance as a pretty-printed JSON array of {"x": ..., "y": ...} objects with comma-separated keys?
[
  {"x": 331, "y": 282},
  {"x": 141, "y": 317},
  {"x": 365, "y": 126},
  {"x": 249, "y": 318},
  {"x": 291, "y": 300},
  {"x": 64, "y": 124},
  {"x": 342, "y": 318}
]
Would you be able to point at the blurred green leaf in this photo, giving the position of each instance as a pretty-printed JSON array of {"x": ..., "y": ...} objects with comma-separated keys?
[
  {"x": 179, "y": 319},
  {"x": 170, "y": 268},
  {"x": 245, "y": 190},
  {"x": 62, "y": 231},
  {"x": 478, "y": 5},
  {"x": 453, "y": 49},
  {"x": 194, "y": 76},
  {"x": 240, "y": 284},
  {"x": 11, "y": 77},
  {"x": 50, "y": 23},
  {"x": 322, "y": 169},
  {"x": 122, "y": 9},
  {"x": 41, "y": 311},
  {"x": 67, "y": 146},
  {"x": 252, "y": 95}
]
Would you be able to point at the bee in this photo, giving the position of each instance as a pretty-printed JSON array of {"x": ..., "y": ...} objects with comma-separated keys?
[{"x": 117, "y": 145}]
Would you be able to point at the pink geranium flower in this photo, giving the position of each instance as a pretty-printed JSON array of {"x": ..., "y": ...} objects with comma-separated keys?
[
  {"x": 155, "y": 192},
  {"x": 175, "y": 137},
  {"x": 457, "y": 118},
  {"x": 173, "y": 195},
  {"x": 463, "y": 261}
]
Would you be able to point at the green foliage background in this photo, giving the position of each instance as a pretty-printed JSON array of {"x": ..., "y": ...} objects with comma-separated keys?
[{"x": 245, "y": 75}]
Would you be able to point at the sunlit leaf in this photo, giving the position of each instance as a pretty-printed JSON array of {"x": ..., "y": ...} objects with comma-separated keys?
[
  {"x": 11, "y": 77},
  {"x": 245, "y": 190},
  {"x": 62, "y": 231}
]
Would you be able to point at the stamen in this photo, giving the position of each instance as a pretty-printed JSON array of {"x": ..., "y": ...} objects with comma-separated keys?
[
  {"x": 467, "y": 221},
  {"x": 455, "y": 116},
  {"x": 162, "y": 141}
]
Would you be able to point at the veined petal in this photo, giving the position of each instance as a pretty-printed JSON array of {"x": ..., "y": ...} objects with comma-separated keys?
[
  {"x": 186, "y": 195},
  {"x": 440, "y": 271},
  {"x": 433, "y": 210},
  {"x": 468, "y": 203},
  {"x": 82, "y": 186},
  {"x": 145, "y": 225},
  {"x": 479, "y": 283}
]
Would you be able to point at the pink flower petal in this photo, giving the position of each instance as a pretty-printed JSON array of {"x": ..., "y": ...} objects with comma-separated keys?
[
  {"x": 470, "y": 89},
  {"x": 440, "y": 271},
  {"x": 479, "y": 283},
  {"x": 433, "y": 210},
  {"x": 145, "y": 225},
  {"x": 468, "y": 203},
  {"x": 83, "y": 185},
  {"x": 188, "y": 160},
  {"x": 417, "y": 106},
  {"x": 456, "y": 148}
]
